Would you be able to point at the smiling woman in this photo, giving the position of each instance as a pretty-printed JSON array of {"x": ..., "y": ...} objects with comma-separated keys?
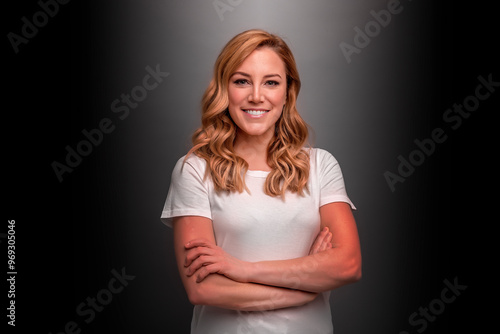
[
  {"x": 256, "y": 100},
  {"x": 261, "y": 223},
  {"x": 239, "y": 74},
  {"x": 255, "y": 96}
]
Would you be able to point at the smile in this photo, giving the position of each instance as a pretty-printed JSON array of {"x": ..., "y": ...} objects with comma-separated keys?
[{"x": 255, "y": 112}]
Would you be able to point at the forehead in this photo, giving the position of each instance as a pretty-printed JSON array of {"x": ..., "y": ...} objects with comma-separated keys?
[{"x": 263, "y": 61}]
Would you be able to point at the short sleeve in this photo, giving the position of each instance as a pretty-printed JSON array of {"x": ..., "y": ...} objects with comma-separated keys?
[
  {"x": 188, "y": 192},
  {"x": 332, "y": 187}
]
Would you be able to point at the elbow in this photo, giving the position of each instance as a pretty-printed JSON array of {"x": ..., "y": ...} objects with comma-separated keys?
[
  {"x": 194, "y": 298},
  {"x": 350, "y": 273},
  {"x": 207, "y": 294},
  {"x": 196, "y": 295},
  {"x": 352, "y": 268},
  {"x": 353, "y": 272}
]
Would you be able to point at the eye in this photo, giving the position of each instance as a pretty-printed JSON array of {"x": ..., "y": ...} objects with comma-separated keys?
[
  {"x": 241, "y": 82},
  {"x": 272, "y": 83}
]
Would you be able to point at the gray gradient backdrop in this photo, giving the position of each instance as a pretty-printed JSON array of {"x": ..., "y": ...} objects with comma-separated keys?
[
  {"x": 104, "y": 215},
  {"x": 357, "y": 111}
]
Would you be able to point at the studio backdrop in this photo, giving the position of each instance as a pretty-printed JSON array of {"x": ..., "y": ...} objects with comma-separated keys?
[{"x": 381, "y": 85}]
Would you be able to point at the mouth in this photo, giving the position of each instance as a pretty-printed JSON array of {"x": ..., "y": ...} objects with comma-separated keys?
[{"x": 256, "y": 112}]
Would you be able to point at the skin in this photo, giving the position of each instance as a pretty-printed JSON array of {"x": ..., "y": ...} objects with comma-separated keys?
[
  {"x": 221, "y": 291},
  {"x": 324, "y": 269},
  {"x": 259, "y": 83},
  {"x": 213, "y": 277}
]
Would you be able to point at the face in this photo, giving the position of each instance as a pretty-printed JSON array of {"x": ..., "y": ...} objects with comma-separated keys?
[{"x": 257, "y": 93}]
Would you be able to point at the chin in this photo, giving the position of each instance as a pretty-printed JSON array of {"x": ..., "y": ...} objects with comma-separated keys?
[{"x": 257, "y": 132}]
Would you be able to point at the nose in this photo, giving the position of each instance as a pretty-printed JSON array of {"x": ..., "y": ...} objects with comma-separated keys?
[{"x": 256, "y": 95}]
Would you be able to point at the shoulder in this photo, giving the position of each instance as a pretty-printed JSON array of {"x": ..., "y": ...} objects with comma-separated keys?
[
  {"x": 190, "y": 164},
  {"x": 195, "y": 161},
  {"x": 320, "y": 157},
  {"x": 191, "y": 160}
]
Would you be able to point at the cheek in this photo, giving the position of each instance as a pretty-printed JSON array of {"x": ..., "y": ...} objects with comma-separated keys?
[
  {"x": 234, "y": 104},
  {"x": 278, "y": 97},
  {"x": 236, "y": 96}
]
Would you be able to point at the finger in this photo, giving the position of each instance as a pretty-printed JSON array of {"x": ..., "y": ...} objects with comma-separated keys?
[
  {"x": 324, "y": 246},
  {"x": 198, "y": 243},
  {"x": 195, "y": 253},
  {"x": 327, "y": 240},
  {"x": 207, "y": 270},
  {"x": 201, "y": 261},
  {"x": 319, "y": 240}
]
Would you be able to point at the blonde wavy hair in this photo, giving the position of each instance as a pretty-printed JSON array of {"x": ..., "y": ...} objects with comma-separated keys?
[{"x": 214, "y": 139}]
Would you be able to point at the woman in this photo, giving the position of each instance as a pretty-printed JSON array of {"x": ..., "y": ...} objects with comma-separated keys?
[{"x": 263, "y": 227}]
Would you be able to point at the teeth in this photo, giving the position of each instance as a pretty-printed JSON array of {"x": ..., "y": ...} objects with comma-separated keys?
[{"x": 255, "y": 112}]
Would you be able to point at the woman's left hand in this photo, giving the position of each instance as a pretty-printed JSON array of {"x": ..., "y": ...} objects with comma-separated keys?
[{"x": 205, "y": 258}]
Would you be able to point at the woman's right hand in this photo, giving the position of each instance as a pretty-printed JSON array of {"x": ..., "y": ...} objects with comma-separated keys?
[{"x": 322, "y": 241}]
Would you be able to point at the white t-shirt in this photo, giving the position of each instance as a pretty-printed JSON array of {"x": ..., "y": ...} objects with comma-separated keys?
[{"x": 256, "y": 227}]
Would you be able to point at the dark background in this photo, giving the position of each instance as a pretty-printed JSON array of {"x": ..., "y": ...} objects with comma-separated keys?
[{"x": 439, "y": 224}]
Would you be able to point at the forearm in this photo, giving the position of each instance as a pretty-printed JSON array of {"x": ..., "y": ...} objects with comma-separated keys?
[
  {"x": 319, "y": 272},
  {"x": 323, "y": 270},
  {"x": 220, "y": 291}
]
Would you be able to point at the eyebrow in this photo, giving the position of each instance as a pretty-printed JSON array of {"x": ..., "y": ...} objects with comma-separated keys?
[{"x": 248, "y": 75}]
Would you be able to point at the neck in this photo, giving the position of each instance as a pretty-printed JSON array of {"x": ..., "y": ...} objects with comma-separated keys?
[{"x": 253, "y": 149}]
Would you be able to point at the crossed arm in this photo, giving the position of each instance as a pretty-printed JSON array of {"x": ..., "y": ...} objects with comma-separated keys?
[{"x": 213, "y": 277}]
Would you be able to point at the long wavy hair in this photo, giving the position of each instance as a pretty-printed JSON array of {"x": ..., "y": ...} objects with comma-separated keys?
[{"x": 214, "y": 139}]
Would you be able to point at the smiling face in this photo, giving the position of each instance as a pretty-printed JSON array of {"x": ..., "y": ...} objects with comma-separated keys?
[{"x": 257, "y": 93}]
